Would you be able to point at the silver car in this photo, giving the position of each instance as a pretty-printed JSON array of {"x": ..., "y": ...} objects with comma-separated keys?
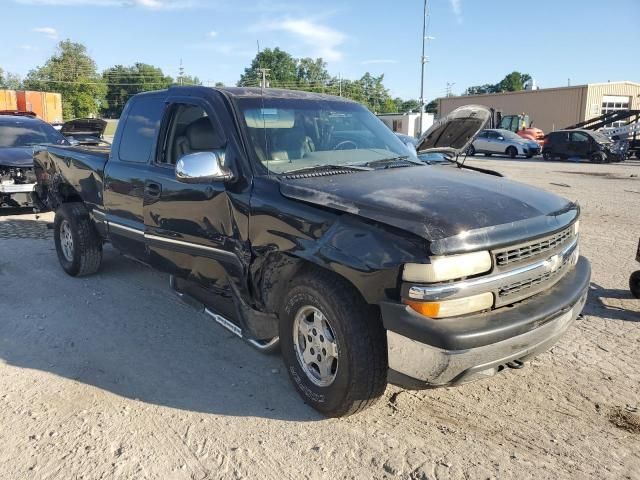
[{"x": 504, "y": 142}]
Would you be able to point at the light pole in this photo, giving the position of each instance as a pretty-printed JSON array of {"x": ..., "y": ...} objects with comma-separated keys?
[{"x": 423, "y": 60}]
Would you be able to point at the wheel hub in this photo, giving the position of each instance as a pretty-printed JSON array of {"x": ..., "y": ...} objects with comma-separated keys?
[
  {"x": 316, "y": 346},
  {"x": 66, "y": 240}
]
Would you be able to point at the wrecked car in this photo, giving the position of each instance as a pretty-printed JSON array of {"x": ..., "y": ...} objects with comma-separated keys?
[
  {"x": 18, "y": 134},
  {"x": 300, "y": 220},
  {"x": 85, "y": 131}
]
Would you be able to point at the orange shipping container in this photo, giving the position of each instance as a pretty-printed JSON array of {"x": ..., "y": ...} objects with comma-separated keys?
[
  {"x": 47, "y": 105},
  {"x": 8, "y": 100}
]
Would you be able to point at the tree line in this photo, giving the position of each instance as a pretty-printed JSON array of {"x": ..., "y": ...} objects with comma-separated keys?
[{"x": 87, "y": 92}]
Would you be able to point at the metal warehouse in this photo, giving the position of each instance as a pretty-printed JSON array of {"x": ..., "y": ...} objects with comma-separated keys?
[{"x": 555, "y": 108}]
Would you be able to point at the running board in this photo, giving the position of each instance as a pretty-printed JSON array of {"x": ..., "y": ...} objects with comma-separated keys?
[
  {"x": 262, "y": 345},
  {"x": 228, "y": 324}
]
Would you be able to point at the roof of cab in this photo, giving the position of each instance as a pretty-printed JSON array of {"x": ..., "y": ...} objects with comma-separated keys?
[
  {"x": 256, "y": 92},
  {"x": 12, "y": 119}
]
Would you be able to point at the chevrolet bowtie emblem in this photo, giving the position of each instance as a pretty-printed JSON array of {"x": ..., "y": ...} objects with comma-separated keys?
[{"x": 553, "y": 263}]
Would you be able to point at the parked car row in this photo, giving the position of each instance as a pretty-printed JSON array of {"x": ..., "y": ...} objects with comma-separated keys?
[{"x": 559, "y": 145}]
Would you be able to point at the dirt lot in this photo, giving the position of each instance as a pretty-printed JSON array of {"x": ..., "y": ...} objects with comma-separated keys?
[{"x": 113, "y": 377}]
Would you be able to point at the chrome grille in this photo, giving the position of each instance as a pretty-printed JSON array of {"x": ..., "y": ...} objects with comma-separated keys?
[
  {"x": 533, "y": 249},
  {"x": 540, "y": 280}
]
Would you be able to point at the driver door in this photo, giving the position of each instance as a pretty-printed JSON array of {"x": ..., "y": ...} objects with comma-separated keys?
[{"x": 188, "y": 225}]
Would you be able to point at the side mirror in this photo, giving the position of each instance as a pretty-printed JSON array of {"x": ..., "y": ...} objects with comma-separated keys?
[{"x": 202, "y": 167}]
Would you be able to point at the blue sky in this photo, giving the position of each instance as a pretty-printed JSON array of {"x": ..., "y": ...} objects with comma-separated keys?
[{"x": 475, "y": 41}]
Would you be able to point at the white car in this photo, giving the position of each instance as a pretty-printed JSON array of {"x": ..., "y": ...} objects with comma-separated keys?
[{"x": 505, "y": 142}]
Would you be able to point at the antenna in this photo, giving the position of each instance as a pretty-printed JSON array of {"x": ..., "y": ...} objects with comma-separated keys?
[{"x": 181, "y": 73}]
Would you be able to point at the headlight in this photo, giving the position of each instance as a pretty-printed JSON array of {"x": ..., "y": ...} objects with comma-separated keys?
[
  {"x": 576, "y": 227},
  {"x": 453, "y": 308},
  {"x": 447, "y": 267}
]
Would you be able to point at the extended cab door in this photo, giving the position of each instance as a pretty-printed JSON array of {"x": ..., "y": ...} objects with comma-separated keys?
[
  {"x": 191, "y": 229},
  {"x": 126, "y": 171}
]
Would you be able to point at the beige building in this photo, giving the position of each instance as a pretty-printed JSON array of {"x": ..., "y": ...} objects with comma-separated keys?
[{"x": 555, "y": 108}]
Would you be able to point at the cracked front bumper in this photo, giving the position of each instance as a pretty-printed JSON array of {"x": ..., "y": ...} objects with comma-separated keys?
[{"x": 426, "y": 352}]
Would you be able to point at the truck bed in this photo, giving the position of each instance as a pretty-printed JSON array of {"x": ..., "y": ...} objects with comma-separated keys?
[{"x": 79, "y": 168}]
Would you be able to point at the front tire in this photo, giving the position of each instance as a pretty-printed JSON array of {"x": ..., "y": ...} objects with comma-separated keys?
[
  {"x": 597, "y": 158},
  {"x": 512, "y": 152},
  {"x": 547, "y": 156},
  {"x": 471, "y": 151},
  {"x": 634, "y": 284},
  {"x": 78, "y": 245},
  {"x": 333, "y": 345}
]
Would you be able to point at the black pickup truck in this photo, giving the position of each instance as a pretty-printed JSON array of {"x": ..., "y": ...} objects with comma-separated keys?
[{"x": 300, "y": 220}]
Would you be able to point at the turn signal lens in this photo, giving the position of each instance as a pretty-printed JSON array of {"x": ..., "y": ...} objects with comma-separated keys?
[
  {"x": 447, "y": 267},
  {"x": 453, "y": 308}
]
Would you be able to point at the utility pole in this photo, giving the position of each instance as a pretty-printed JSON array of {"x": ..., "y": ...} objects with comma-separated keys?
[
  {"x": 423, "y": 60},
  {"x": 264, "y": 77},
  {"x": 449, "y": 85},
  {"x": 181, "y": 73}
]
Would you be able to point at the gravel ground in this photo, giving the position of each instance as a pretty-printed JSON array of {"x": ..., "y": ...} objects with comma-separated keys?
[{"x": 111, "y": 376}]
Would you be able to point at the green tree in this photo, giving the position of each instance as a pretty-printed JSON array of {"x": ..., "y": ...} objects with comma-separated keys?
[
  {"x": 123, "y": 82},
  {"x": 432, "y": 107},
  {"x": 312, "y": 73},
  {"x": 10, "y": 80},
  {"x": 513, "y": 82},
  {"x": 188, "y": 80},
  {"x": 71, "y": 72},
  {"x": 283, "y": 70}
]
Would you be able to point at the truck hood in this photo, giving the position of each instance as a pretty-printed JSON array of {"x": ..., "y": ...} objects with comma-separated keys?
[
  {"x": 454, "y": 133},
  {"x": 16, "y": 156},
  {"x": 93, "y": 127},
  {"x": 439, "y": 202}
]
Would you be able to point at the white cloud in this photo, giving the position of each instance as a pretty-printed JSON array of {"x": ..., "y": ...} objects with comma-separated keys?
[
  {"x": 50, "y": 32},
  {"x": 212, "y": 34},
  {"x": 377, "y": 61},
  {"x": 324, "y": 41},
  {"x": 456, "y": 6},
  {"x": 147, "y": 4}
]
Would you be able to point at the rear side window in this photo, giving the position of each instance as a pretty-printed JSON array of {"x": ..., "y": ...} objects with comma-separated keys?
[{"x": 140, "y": 130}]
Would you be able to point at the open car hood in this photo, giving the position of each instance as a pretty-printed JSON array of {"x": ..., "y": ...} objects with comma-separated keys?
[
  {"x": 454, "y": 133},
  {"x": 84, "y": 127}
]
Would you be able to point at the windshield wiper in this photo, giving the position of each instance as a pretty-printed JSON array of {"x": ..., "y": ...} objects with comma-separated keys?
[
  {"x": 392, "y": 160},
  {"x": 327, "y": 167}
]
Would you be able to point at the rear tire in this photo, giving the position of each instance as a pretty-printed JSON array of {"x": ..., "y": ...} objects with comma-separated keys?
[
  {"x": 78, "y": 245},
  {"x": 634, "y": 284},
  {"x": 487, "y": 154},
  {"x": 512, "y": 152},
  {"x": 547, "y": 156},
  {"x": 333, "y": 345}
]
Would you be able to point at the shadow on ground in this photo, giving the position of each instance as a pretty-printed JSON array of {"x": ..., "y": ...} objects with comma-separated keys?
[
  {"x": 123, "y": 331},
  {"x": 611, "y": 303}
]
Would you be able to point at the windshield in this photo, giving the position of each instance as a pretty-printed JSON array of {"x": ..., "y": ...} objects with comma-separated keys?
[
  {"x": 293, "y": 134},
  {"x": 21, "y": 133}
]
